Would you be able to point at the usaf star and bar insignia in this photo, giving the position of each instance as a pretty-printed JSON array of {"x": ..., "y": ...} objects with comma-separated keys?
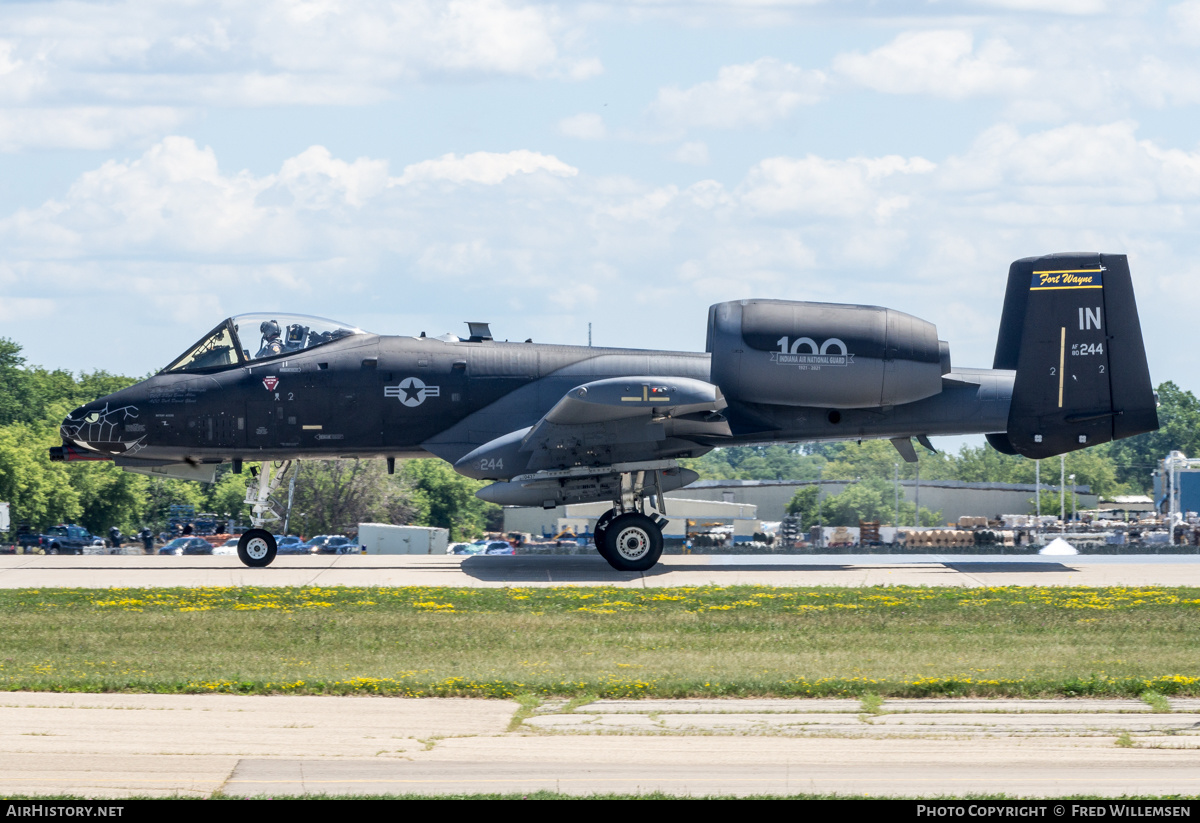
[{"x": 412, "y": 391}]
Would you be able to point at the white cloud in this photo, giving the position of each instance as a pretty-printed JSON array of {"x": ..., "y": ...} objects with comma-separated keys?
[
  {"x": 572, "y": 296},
  {"x": 405, "y": 39},
  {"x": 1049, "y": 6},
  {"x": 1077, "y": 165},
  {"x": 316, "y": 179},
  {"x": 464, "y": 259},
  {"x": 1185, "y": 18},
  {"x": 84, "y": 127},
  {"x": 19, "y": 78},
  {"x": 750, "y": 94},
  {"x": 940, "y": 63},
  {"x": 175, "y": 203},
  {"x": 488, "y": 168},
  {"x": 14, "y": 309},
  {"x": 173, "y": 196},
  {"x": 1158, "y": 83},
  {"x": 829, "y": 188},
  {"x": 694, "y": 154},
  {"x": 278, "y": 51},
  {"x": 1062, "y": 70},
  {"x": 584, "y": 126}
]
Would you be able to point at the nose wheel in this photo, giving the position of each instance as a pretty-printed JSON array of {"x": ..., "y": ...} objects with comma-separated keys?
[
  {"x": 256, "y": 548},
  {"x": 631, "y": 542}
]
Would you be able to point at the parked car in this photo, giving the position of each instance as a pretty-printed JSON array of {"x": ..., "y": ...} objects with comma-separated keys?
[
  {"x": 187, "y": 545},
  {"x": 332, "y": 544},
  {"x": 499, "y": 547},
  {"x": 315, "y": 542},
  {"x": 463, "y": 548},
  {"x": 227, "y": 548},
  {"x": 290, "y": 544}
]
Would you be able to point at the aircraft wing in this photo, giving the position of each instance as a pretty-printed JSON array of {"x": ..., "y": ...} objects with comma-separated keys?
[{"x": 598, "y": 430}]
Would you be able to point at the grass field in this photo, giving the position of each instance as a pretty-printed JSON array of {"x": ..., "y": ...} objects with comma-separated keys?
[{"x": 606, "y": 642}]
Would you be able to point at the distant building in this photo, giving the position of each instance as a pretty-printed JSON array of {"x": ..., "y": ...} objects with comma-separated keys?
[
  {"x": 953, "y": 498},
  {"x": 770, "y": 498},
  {"x": 1125, "y": 505}
]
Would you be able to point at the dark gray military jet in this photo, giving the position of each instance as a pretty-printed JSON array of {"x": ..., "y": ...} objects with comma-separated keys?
[{"x": 551, "y": 425}]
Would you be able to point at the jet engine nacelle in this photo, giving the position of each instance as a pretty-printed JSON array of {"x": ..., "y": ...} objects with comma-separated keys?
[{"x": 828, "y": 355}]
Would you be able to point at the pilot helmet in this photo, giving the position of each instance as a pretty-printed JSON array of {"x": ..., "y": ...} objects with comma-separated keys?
[{"x": 269, "y": 329}]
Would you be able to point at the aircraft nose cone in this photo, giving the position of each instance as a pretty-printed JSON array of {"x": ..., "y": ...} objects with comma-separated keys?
[
  {"x": 91, "y": 427},
  {"x": 70, "y": 427}
]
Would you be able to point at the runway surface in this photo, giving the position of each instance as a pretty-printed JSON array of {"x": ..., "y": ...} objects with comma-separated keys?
[
  {"x": 114, "y": 745},
  {"x": 118, "y": 745},
  {"x": 119, "y": 571}
]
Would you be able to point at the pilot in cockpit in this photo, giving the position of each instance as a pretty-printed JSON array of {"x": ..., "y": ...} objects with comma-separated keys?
[{"x": 271, "y": 344}]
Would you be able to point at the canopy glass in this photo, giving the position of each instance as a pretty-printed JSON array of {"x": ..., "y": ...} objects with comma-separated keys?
[{"x": 248, "y": 338}]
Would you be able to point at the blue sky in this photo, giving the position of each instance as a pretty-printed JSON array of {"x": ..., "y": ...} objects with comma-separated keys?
[{"x": 409, "y": 166}]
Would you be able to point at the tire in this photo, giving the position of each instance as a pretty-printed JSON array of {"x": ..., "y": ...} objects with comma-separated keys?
[
  {"x": 52, "y": 550},
  {"x": 634, "y": 543},
  {"x": 256, "y": 548},
  {"x": 598, "y": 534}
]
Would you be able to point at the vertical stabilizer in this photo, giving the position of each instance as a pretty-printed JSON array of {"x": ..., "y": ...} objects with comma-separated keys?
[{"x": 1070, "y": 330}]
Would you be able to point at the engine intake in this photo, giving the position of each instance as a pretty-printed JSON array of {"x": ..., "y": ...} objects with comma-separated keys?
[{"x": 835, "y": 356}]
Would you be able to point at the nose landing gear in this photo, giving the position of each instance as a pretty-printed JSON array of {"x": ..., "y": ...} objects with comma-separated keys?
[{"x": 257, "y": 547}]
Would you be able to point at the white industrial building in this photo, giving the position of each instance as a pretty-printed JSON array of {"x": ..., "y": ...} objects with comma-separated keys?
[
  {"x": 953, "y": 498},
  {"x": 744, "y": 504}
]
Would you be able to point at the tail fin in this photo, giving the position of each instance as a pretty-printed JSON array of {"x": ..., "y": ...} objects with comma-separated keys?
[{"x": 1070, "y": 329}]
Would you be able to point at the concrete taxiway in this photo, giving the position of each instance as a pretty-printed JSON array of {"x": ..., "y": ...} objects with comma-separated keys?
[
  {"x": 118, "y": 571},
  {"x": 114, "y": 745}
]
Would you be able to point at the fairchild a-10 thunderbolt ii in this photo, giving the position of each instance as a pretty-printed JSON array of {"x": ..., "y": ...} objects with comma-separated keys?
[{"x": 551, "y": 425}]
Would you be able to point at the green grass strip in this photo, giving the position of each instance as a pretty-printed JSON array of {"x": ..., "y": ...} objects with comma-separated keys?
[{"x": 588, "y": 642}]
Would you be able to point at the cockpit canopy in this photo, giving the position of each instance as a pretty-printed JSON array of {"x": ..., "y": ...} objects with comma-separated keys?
[{"x": 246, "y": 338}]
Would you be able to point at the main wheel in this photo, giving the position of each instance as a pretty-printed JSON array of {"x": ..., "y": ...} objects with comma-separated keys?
[
  {"x": 634, "y": 542},
  {"x": 598, "y": 533},
  {"x": 256, "y": 548}
]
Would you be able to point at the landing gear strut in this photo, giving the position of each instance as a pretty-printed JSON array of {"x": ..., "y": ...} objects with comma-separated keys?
[{"x": 628, "y": 538}]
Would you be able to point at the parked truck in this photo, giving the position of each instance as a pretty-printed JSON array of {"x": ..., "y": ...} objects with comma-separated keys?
[
  {"x": 62, "y": 539},
  {"x": 383, "y": 538}
]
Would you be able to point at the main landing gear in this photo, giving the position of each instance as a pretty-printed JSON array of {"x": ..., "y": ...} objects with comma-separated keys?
[{"x": 628, "y": 538}]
